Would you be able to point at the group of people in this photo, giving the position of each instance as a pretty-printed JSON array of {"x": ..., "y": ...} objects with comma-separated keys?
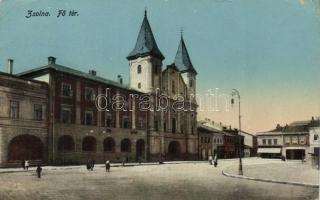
[
  {"x": 90, "y": 165},
  {"x": 25, "y": 165},
  {"x": 213, "y": 160}
]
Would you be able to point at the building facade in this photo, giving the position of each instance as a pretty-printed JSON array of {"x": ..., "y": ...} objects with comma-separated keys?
[
  {"x": 123, "y": 127},
  {"x": 210, "y": 141},
  {"x": 297, "y": 140},
  {"x": 270, "y": 144},
  {"x": 23, "y": 119}
]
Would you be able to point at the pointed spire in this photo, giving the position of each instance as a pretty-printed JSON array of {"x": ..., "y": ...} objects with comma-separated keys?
[
  {"x": 146, "y": 44},
  {"x": 182, "y": 60}
]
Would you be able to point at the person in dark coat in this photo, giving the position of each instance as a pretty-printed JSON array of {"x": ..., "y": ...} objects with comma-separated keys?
[
  {"x": 23, "y": 164},
  {"x": 39, "y": 170},
  {"x": 88, "y": 165},
  {"x": 107, "y": 166},
  {"x": 92, "y": 165},
  {"x": 123, "y": 161},
  {"x": 215, "y": 160}
]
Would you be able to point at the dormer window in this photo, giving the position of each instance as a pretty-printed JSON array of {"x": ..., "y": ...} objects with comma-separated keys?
[{"x": 139, "y": 69}]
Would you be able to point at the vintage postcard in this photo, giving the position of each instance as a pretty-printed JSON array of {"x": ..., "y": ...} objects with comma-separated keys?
[{"x": 159, "y": 99}]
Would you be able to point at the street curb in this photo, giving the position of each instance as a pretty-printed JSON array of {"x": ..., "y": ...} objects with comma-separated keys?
[{"x": 270, "y": 180}]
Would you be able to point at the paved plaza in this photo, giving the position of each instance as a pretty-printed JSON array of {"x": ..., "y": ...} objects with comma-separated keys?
[
  {"x": 290, "y": 171},
  {"x": 167, "y": 181}
]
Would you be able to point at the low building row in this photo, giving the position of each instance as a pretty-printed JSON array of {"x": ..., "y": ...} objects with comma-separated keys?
[
  {"x": 298, "y": 140},
  {"x": 216, "y": 139}
]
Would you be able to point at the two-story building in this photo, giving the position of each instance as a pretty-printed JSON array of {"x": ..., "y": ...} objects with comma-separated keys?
[
  {"x": 270, "y": 143},
  {"x": 210, "y": 141},
  {"x": 296, "y": 140},
  {"x": 23, "y": 119}
]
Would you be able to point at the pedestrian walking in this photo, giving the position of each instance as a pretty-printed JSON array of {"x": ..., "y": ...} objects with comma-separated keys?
[
  {"x": 92, "y": 165},
  {"x": 123, "y": 161},
  {"x": 88, "y": 165},
  {"x": 215, "y": 160},
  {"x": 26, "y": 164},
  {"x": 210, "y": 160},
  {"x": 107, "y": 166},
  {"x": 39, "y": 170},
  {"x": 23, "y": 164}
]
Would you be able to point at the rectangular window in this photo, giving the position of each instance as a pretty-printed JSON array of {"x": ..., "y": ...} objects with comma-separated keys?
[
  {"x": 65, "y": 115},
  {"x": 89, "y": 94},
  {"x": 164, "y": 127},
  {"x": 139, "y": 69},
  {"x": 14, "y": 109},
  {"x": 209, "y": 140},
  {"x": 37, "y": 112},
  {"x": 264, "y": 141},
  {"x": 201, "y": 139},
  {"x": 89, "y": 118},
  {"x": 269, "y": 141},
  {"x": 140, "y": 123},
  {"x": 287, "y": 140},
  {"x": 315, "y": 137},
  {"x": 302, "y": 139},
  {"x": 275, "y": 141},
  {"x": 125, "y": 122},
  {"x": 66, "y": 90},
  {"x": 108, "y": 120},
  {"x": 294, "y": 139}
]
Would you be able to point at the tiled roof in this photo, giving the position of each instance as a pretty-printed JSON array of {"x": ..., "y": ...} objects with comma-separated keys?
[
  {"x": 74, "y": 72},
  {"x": 182, "y": 59},
  {"x": 146, "y": 44}
]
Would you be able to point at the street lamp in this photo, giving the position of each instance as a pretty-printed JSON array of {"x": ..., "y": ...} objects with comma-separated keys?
[{"x": 237, "y": 93}]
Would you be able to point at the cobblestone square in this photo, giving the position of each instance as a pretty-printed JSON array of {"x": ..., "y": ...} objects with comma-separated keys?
[{"x": 167, "y": 181}]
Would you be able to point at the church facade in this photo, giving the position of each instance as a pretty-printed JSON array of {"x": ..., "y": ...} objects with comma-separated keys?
[{"x": 78, "y": 130}]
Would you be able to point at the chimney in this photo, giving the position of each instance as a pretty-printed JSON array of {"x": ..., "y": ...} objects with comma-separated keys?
[
  {"x": 51, "y": 60},
  {"x": 312, "y": 118},
  {"x": 92, "y": 72},
  {"x": 10, "y": 66},
  {"x": 120, "y": 79},
  {"x": 230, "y": 127}
]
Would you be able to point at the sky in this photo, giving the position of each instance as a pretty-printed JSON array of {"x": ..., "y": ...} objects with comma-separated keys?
[{"x": 267, "y": 50}]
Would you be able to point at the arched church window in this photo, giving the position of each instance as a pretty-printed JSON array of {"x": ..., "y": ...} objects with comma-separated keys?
[
  {"x": 190, "y": 83},
  {"x": 139, "y": 69},
  {"x": 139, "y": 85}
]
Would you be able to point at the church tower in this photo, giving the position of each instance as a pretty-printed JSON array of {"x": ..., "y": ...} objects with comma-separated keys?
[
  {"x": 183, "y": 63},
  {"x": 145, "y": 60}
]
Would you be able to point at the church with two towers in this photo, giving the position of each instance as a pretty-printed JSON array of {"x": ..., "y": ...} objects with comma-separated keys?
[{"x": 57, "y": 120}]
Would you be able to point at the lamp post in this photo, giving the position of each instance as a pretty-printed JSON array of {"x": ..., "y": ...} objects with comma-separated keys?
[{"x": 237, "y": 93}]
